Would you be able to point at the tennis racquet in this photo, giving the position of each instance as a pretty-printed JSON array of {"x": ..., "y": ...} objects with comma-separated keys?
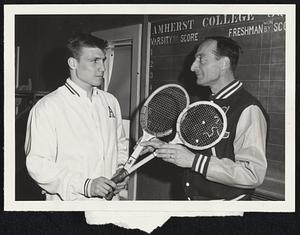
[
  {"x": 158, "y": 118},
  {"x": 200, "y": 126}
]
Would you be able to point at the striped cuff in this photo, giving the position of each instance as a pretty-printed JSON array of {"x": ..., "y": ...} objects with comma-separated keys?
[
  {"x": 87, "y": 187},
  {"x": 200, "y": 164}
]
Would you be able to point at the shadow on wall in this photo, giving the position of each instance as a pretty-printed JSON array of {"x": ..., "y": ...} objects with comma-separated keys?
[
  {"x": 188, "y": 79},
  {"x": 54, "y": 69}
]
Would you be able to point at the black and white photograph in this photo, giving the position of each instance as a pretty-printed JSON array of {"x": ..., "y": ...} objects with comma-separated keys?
[{"x": 175, "y": 109}]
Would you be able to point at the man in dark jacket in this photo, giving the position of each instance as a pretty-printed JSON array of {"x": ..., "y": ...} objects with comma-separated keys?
[{"x": 233, "y": 168}]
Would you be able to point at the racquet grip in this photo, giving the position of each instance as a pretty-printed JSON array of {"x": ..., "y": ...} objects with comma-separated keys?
[{"x": 117, "y": 179}]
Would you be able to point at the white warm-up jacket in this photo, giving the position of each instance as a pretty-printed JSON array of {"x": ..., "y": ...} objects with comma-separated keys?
[{"x": 71, "y": 139}]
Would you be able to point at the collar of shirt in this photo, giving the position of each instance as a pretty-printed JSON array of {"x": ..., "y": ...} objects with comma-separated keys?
[
  {"x": 77, "y": 90},
  {"x": 227, "y": 91}
]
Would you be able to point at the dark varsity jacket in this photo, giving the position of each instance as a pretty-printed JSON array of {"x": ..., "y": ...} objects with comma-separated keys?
[{"x": 233, "y": 99}]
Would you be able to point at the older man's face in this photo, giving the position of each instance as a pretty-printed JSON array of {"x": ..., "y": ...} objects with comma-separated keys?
[{"x": 206, "y": 66}]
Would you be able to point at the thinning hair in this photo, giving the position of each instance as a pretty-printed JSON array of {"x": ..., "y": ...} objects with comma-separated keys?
[
  {"x": 80, "y": 40},
  {"x": 227, "y": 47}
]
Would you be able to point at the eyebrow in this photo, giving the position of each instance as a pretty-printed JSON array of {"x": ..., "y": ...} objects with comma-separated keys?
[
  {"x": 198, "y": 54},
  {"x": 98, "y": 58},
  {"x": 213, "y": 52}
]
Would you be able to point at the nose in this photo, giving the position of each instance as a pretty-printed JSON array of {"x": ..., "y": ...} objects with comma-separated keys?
[
  {"x": 193, "y": 66},
  {"x": 101, "y": 66}
]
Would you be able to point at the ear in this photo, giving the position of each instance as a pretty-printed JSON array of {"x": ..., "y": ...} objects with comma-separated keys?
[
  {"x": 225, "y": 63},
  {"x": 72, "y": 62}
]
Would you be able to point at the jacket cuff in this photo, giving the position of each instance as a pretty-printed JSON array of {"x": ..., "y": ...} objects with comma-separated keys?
[
  {"x": 87, "y": 187},
  {"x": 200, "y": 164}
]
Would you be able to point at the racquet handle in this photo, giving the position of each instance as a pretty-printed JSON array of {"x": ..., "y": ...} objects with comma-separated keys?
[
  {"x": 117, "y": 179},
  {"x": 124, "y": 171},
  {"x": 133, "y": 157},
  {"x": 141, "y": 163}
]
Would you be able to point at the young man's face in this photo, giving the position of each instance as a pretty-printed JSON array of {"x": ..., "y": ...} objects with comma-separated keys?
[
  {"x": 206, "y": 66},
  {"x": 90, "y": 67}
]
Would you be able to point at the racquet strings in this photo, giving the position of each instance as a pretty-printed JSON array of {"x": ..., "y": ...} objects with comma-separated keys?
[
  {"x": 162, "y": 111},
  {"x": 201, "y": 125}
]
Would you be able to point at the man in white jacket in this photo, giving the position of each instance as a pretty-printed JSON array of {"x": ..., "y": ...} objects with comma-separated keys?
[{"x": 75, "y": 140}]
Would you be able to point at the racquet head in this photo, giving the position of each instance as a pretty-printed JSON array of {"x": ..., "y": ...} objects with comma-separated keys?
[
  {"x": 159, "y": 113},
  {"x": 201, "y": 125}
]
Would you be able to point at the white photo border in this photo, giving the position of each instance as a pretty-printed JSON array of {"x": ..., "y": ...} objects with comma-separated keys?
[{"x": 182, "y": 208}]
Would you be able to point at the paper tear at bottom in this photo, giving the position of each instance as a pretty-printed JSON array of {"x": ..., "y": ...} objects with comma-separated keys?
[{"x": 145, "y": 221}]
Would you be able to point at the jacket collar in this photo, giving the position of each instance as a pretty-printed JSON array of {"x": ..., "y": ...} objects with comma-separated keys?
[
  {"x": 77, "y": 90},
  {"x": 227, "y": 91}
]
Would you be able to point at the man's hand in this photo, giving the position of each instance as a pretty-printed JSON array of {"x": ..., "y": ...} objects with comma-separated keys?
[
  {"x": 122, "y": 185},
  {"x": 151, "y": 145},
  {"x": 101, "y": 186},
  {"x": 176, "y": 154}
]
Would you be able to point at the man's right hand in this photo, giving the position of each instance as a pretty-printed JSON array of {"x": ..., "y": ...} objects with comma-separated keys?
[{"x": 101, "y": 186}]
